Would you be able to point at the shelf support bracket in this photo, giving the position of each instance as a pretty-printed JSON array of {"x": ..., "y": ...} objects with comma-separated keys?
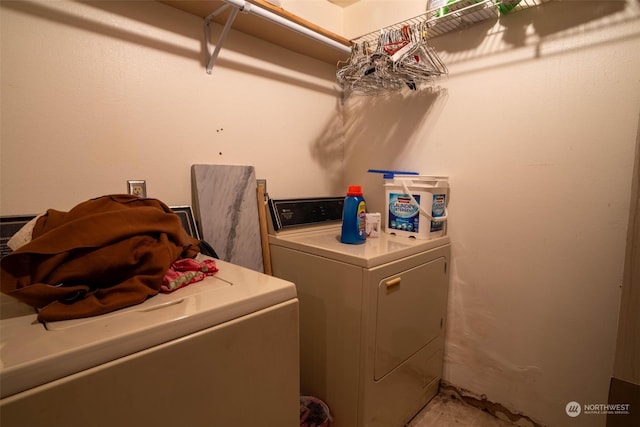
[
  {"x": 246, "y": 7},
  {"x": 212, "y": 56}
]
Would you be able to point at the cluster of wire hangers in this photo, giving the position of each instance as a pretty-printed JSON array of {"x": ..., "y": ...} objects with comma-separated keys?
[{"x": 402, "y": 59}]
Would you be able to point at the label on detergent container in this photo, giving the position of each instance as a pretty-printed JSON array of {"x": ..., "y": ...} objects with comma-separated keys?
[
  {"x": 362, "y": 219},
  {"x": 437, "y": 210},
  {"x": 403, "y": 213}
]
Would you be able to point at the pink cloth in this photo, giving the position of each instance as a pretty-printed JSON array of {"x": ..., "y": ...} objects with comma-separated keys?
[{"x": 186, "y": 271}]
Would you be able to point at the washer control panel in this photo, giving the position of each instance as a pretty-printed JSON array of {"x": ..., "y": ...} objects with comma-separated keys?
[{"x": 289, "y": 213}]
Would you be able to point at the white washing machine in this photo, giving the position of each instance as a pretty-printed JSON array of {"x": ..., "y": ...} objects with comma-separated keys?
[
  {"x": 372, "y": 316},
  {"x": 220, "y": 352}
]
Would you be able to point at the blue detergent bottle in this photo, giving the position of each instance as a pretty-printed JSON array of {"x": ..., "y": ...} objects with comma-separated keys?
[{"x": 353, "y": 217}]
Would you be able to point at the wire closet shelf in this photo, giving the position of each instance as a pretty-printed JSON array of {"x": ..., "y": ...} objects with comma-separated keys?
[
  {"x": 456, "y": 15},
  {"x": 399, "y": 56}
]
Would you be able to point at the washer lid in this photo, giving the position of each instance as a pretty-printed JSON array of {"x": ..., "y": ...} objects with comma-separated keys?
[{"x": 32, "y": 354}]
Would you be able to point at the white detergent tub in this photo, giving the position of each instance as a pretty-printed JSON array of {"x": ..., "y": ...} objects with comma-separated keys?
[{"x": 416, "y": 206}]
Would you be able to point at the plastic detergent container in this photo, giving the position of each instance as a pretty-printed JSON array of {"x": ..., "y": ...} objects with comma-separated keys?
[
  {"x": 353, "y": 217},
  {"x": 416, "y": 205}
]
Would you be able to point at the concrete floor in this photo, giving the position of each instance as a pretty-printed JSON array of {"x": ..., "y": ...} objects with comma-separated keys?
[{"x": 446, "y": 411}]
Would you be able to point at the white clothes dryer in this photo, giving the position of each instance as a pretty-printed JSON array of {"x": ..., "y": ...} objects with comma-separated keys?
[
  {"x": 372, "y": 316},
  {"x": 220, "y": 352}
]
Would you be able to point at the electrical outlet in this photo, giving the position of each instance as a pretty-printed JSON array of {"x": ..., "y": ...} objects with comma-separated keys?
[{"x": 137, "y": 188}]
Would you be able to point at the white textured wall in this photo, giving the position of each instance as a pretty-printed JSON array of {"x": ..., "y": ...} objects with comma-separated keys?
[
  {"x": 358, "y": 18},
  {"x": 366, "y": 16},
  {"x": 536, "y": 128},
  {"x": 95, "y": 94}
]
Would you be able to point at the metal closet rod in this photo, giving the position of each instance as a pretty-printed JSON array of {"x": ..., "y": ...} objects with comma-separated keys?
[{"x": 246, "y": 7}]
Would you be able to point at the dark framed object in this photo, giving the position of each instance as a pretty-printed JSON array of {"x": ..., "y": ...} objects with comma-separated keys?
[
  {"x": 188, "y": 221},
  {"x": 10, "y": 225}
]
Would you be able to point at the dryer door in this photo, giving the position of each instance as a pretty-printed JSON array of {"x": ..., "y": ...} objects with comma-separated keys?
[{"x": 411, "y": 312}]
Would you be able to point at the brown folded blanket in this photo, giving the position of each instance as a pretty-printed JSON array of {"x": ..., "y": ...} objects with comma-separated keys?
[{"x": 104, "y": 254}]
